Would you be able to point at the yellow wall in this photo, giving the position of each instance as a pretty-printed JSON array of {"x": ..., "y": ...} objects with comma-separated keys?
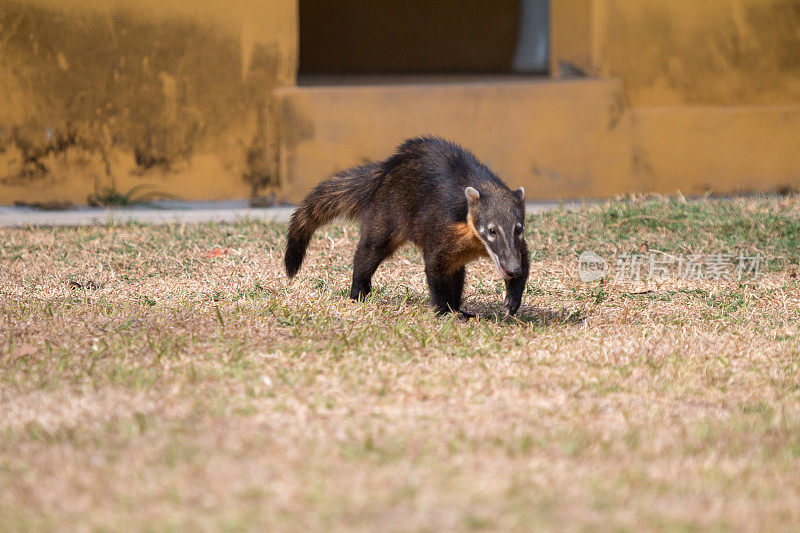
[
  {"x": 178, "y": 95},
  {"x": 721, "y": 149},
  {"x": 173, "y": 94},
  {"x": 713, "y": 85},
  {"x": 668, "y": 52},
  {"x": 571, "y": 35}
]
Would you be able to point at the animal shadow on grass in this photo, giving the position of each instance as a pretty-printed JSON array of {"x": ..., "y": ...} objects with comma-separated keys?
[
  {"x": 539, "y": 316},
  {"x": 382, "y": 297}
]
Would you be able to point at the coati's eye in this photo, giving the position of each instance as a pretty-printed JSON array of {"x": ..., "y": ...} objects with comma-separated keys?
[
  {"x": 492, "y": 232},
  {"x": 518, "y": 229}
]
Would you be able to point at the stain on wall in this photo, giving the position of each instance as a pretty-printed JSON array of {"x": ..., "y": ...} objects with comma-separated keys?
[
  {"x": 114, "y": 94},
  {"x": 709, "y": 52}
]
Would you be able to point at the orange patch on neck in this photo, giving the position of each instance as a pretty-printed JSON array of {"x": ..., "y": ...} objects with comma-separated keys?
[
  {"x": 467, "y": 245},
  {"x": 466, "y": 233},
  {"x": 471, "y": 224}
]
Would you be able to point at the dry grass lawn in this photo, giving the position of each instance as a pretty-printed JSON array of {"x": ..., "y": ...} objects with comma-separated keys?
[{"x": 149, "y": 381}]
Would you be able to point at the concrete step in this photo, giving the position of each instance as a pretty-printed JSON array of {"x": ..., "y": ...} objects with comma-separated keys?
[{"x": 556, "y": 138}]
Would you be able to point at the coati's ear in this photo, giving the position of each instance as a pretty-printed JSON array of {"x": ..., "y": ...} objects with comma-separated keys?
[
  {"x": 472, "y": 195},
  {"x": 520, "y": 194}
]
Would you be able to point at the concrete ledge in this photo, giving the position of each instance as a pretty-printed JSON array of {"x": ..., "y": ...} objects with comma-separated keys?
[
  {"x": 174, "y": 212},
  {"x": 558, "y": 139}
]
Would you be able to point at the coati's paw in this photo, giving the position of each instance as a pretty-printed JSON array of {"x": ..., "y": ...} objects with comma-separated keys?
[
  {"x": 463, "y": 315},
  {"x": 359, "y": 293},
  {"x": 511, "y": 305}
]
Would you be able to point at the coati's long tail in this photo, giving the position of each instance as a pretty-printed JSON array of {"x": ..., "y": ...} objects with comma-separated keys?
[{"x": 344, "y": 194}]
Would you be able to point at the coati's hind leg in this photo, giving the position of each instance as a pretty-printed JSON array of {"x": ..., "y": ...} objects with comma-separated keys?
[{"x": 371, "y": 251}]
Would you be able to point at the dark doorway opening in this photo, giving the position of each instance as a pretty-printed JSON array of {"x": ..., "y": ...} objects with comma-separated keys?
[{"x": 390, "y": 40}]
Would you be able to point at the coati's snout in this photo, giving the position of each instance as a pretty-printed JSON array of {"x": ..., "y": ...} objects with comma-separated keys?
[{"x": 498, "y": 218}]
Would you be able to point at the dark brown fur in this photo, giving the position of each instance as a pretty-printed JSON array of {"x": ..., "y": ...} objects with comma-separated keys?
[{"x": 418, "y": 195}]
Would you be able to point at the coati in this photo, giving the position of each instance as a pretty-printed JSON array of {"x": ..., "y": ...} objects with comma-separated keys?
[{"x": 434, "y": 194}]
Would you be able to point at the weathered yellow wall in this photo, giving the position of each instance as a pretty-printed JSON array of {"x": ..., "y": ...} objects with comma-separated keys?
[
  {"x": 707, "y": 99},
  {"x": 669, "y": 52},
  {"x": 176, "y": 94},
  {"x": 713, "y": 85},
  {"x": 168, "y": 93},
  {"x": 571, "y": 34}
]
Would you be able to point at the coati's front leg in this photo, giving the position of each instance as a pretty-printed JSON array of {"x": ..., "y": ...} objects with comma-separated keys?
[
  {"x": 457, "y": 292},
  {"x": 446, "y": 287},
  {"x": 516, "y": 286}
]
